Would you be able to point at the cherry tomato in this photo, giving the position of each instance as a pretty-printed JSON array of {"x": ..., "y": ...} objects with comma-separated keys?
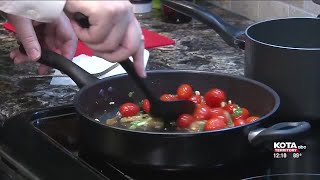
[
  {"x": 251, "y": 119},
  {"x": 224, "y": 118},
  {"x": 214, "y": 124},
  {"x": 196, "y": 99},
  {"x": 239, "y": 122},
  {"x": 184, "y": 120},
  {"x": 238, "y": 117},
  {"x": 244, "y": 114},
  {"x": 229, "y": 108},
  {"x": 219, "y": 113},
  {"x": 129, "y": 109},
  {"x": 168, "y": 97},
  {"x": 146, "y": 105},
  {"x": 184, "y": 91},
  {"x": 214, "y": 97},
  {"x": 202, "y": 112}
]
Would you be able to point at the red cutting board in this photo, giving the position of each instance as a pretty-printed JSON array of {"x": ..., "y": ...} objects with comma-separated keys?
[{"x": 152, "y": 40}]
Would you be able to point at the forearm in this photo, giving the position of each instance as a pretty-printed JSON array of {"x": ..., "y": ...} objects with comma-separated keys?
[{"x": 41, "y": 11}]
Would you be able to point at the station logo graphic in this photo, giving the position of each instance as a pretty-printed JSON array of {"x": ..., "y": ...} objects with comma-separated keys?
[{"x": 288, "y": 147}]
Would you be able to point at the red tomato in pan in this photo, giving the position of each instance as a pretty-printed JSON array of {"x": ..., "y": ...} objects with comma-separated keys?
[
  {"x": 129, "y": 109},
  {"x": 184, "y": 91},
  {"x": 251, "y": 119},
  {"x": 224, "y": 118},
  {"x": 146, "y": 105},
  {"x": 202, "y": 112},
  {"x": 168, "y": 97},
  {"x": 239, "y": 122},
  {"x": 219, "y": 113},
  {"x": 196, "y": 99},
  {"x": 184, "y": 120},
  {"x": 229, "y": 108},
  {"x": 244, "y": 114},
  {"x": 214, "y": 124},
  {"x": 238, "y": 117},
  {"x": 214, "y": 97}
]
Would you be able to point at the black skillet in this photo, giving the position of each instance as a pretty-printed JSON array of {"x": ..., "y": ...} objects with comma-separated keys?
[{"x": 172, "y": 150}]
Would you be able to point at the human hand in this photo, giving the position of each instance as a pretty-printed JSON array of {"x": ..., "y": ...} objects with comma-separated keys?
[
  {"x": 57, "y": 36},
  {"x": 114, "y": 33}
]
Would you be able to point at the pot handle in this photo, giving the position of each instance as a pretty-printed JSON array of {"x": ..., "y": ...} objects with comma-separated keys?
[
  {"x": 55, "y": 60},
  {"x": 230, "y": 34},
  {"x": 280, "y": 131}
]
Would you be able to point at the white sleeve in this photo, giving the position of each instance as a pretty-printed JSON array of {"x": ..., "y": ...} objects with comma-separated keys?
[{"x": 42, "y": 11}]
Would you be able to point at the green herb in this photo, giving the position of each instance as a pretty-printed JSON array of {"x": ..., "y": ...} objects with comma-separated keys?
[
  {"x": 133, "y": 127},
  {"x": 237, "y": 112},
  {"x": 137, "y": 123},
  {"x": 142, "y": 123},
  {"x": 134, "y": 124}
]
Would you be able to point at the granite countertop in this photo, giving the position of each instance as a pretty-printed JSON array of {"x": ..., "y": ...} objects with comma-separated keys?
[{"x": 197, "y": 47}]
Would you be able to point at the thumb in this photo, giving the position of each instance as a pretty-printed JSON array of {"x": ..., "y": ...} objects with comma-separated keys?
[{"x": 26, "y": 35}]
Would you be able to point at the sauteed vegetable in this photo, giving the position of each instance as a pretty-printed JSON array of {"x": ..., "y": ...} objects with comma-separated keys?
[{"x": 213, "y": 112}]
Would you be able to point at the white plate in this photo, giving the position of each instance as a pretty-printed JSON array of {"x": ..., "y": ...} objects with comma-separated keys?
[{"x": 93, "y": 65}]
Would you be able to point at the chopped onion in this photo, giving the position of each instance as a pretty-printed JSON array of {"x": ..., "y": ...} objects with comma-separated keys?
[{"x": 197, "y": 126}]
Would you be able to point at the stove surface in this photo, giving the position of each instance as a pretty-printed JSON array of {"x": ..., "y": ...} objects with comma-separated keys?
[{"x": 44, "y": 145}]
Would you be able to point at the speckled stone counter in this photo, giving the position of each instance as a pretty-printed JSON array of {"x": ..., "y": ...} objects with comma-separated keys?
[{"x": 197, "y": 47}]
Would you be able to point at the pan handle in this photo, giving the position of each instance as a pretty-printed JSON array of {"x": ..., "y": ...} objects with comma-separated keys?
[
  {"x": 54, "y": 60},
  {"x": 281, "y": 131},
  {"x": 230, "y": 34}
]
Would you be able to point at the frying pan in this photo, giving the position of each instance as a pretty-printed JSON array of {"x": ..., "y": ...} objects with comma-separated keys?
[
  {"x": 281, "y": 53},
  {"x": 288, "y": 176},
  {"x": 171, "y": 150}
]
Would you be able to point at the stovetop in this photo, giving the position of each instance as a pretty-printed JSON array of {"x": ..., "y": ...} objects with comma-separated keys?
[{"x": 44, "y": 144}]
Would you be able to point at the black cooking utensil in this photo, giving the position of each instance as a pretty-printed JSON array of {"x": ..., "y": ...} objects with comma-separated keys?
[{"x": 168, "y": 111}]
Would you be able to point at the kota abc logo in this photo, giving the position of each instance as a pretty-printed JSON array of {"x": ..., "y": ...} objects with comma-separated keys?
[{"x": 289, "y": 145}]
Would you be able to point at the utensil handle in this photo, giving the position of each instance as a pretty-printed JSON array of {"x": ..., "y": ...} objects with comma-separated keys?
[
  {"x": 54, "y": 60},
  {"x": 127, "y": 65},
  {"x": 228, "y": 33},
  {"x": 82, "y": 20}
]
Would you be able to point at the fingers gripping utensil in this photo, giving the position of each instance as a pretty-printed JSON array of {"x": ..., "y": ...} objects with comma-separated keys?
[{"x": 166, "y": 110}]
